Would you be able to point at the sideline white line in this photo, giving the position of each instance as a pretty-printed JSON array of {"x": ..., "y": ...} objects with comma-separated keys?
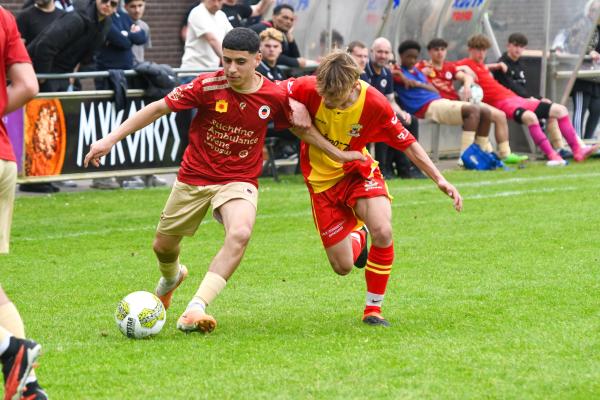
[{"x": 307, "y": 213}]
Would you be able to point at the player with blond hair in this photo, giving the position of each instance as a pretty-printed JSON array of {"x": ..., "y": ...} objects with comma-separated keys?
[{"x": 347, "y": 197}]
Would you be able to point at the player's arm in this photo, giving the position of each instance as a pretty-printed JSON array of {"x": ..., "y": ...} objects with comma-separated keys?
[
  {"x": 313, "y": 137},
  {"x": 23, "y": 86},
  {"x": 419, "y": 157},
  {"x": 467, "y": 81},
  {"x": 137, "y": 121}
]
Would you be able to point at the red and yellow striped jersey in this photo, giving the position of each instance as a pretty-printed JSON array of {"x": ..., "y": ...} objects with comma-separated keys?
[{"x": 369, "y": 119}]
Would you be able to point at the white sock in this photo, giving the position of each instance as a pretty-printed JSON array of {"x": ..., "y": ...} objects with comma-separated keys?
[
  {"x": 195, "y": 304},
  {"x": 4, "y": 344}
]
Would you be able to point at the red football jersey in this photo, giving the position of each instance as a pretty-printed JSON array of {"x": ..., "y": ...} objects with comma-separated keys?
[
  {"x": 228, "y": 132},
  {"x": 441, "y": 78},
  {"x": 493, "y": 91},
  {"x": 369, "y": 119},
  {"x": 12, "y": 51}
]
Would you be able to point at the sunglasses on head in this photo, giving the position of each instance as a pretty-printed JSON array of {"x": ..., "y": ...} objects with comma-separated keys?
[{"x": 113, "y": 3}]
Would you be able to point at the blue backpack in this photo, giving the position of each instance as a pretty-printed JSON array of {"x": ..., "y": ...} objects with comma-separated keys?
[{"x": 475, "y": 158}]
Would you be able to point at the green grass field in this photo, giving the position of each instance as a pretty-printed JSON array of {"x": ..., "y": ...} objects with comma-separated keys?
[{"x": 500, "y": 301}]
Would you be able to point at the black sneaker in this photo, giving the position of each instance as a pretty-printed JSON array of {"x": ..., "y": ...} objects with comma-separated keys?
[
  {"x": 17, "y": 362},
  {"x": 33, "y": 391},
  {"x": 375, "y": 319},
  {"x": 361, "y": 261}
]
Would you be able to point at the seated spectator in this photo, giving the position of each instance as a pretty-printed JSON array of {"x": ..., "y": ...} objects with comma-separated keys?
[
  {"x": 283, "y": 20},
  {"x": 421, "y": 98},
  {"x": 379, "y": 75},
  {"x": 525, "y": 111},
  {"x": 238, "y": 13},
  {"x": 442, "y": 75},
  {"x": 511, "y": 74},
  {"x": 35, "y": 18},
  {"x": 286, "y": 143},
  {"x": 207, "y": 26},
  {"x": 270, "y": 48}
]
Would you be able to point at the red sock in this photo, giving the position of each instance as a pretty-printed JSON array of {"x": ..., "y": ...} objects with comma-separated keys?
[
  {"x": 377, "y": 273},
  {"x": 358, "y": 239}
]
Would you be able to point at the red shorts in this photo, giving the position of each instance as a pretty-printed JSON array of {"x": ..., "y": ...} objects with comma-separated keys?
[
  {"x": 510, "y": 105},
  {"x": 333, "y": 209}
]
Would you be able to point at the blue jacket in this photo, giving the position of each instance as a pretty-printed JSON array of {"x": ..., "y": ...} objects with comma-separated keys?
[{"x": 116, "y": 52}]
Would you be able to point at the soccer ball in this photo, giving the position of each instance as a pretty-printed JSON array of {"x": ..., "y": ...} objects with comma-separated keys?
[
  {"x": 476, "y": 93},
  {"x": 140, "y": 314}
]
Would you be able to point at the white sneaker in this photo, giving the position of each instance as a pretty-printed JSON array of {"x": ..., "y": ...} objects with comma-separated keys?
[{"x": 556, "y": 163}]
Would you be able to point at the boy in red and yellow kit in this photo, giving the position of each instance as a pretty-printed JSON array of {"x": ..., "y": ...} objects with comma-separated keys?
[{"x": 346, "y": 197}]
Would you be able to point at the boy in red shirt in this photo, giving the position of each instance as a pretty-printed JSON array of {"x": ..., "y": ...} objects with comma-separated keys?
[{"x": 522, "y": 110}]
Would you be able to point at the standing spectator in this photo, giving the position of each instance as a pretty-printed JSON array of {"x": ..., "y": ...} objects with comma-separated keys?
[
  {"x": 283, "y": 20},
  {"x": 379, "y": 75},
  {"x": 136, "y": 9},
  {"x": 238, "y": 13},
  {"x": 207, "y": 26},
  {"x": 17, "y": 354},
  {"x": 509, "y": 71},
  {"x": 35, "y": 18},
  {"x": 71, "y": 39},
  {"x": 117, "y": 53}
]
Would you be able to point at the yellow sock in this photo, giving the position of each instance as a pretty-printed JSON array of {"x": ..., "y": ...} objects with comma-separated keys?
[
  {"x": 466, "y": 140},
  {"x": 481, "y": 141},
  {"x": 10, "y": 319},
  {"x": 504, "y": 149},
  {"x": 169, "y": 271},
  {"x": 210, "y": 287}
]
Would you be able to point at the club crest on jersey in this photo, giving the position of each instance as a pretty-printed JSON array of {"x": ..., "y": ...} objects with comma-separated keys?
[
  {"x": 242, "y": 105},
  {"x": 448, "y": 75},
  {"x": 383, "y": 83},
  {"x": 264, "y": 112},
  {"x": 221, "y": 106},
  {"x": 394, "y": 120},
  {"x": 355, "y": 130}
]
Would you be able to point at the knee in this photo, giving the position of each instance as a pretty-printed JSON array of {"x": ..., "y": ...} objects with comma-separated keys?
[
  {"x": 530, "y": 118},
  {"x": 341, "y": 268},
  {"x": 239, "y": 235},
  {"x": 471, "y": 111},
  {"x": 381, "y": 234},
  {"x": 161, "y": 247},
  {"x": 558, "y": 110}
]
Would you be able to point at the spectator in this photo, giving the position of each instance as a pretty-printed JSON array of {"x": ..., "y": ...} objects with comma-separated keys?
[
  {"x": 31, "y": 21},
  {"x": 207, "y": 26},
  {"x": 17, "y": 354},
  {"x": 522, "y": 110},
  {"x": 238, "y": 13},
  {"x": 35, "y": 18},
  {"x": 359, "y": 52},
  {"x": 442, "y": 74},
  {"x": 71, "y": 39},
  {"x": 379, "y": 75},
  {"x": 420, "y": 97},
  {"x": 64, "y": 5},
  {"x": 136, "y": 9},
  {"x": 270, "y": 48},
  {"x": 283, "y": 20},
  {"x": 511, "y": 74}
]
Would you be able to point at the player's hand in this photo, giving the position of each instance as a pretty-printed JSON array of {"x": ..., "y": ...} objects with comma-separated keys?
[
  {"x": 405, "y": 117},
  {"x": 451, "y": 192},
  {"x": 97, "y": 150},
  {"x": 467, "y": 93},
  {"x": 300, "y": 116},
  {"x": 351, "y": 155}
]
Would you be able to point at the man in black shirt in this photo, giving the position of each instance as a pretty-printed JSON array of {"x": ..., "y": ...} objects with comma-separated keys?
[
  {"x": 35, "y": 18},
  {"x": 238, "y": 13}
]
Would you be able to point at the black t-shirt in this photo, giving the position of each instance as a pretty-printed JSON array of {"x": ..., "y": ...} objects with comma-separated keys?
[
  {"x": 237, "y": 14},
  {"x": 32, "y": 21},
  {"x": 271, "y": 73}
]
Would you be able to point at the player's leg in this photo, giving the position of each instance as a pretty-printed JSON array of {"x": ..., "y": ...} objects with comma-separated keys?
[
  {"x": 580, "y": 153},
  {"x": 186, "y": 207},
  {"x": 8, "y": 181},
  {"x": 529, "y": 119},
  {"x": 17, "y": 354},
  {"x": 235, "y": 206},
  {"x": 377, "y": 214}
]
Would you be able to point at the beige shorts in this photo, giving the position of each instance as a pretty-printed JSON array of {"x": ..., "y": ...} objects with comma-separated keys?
[
  {"x": 187, "y": 205},
  {"x": 8, "y": 181},
  {"x": 444, "y": 111}
]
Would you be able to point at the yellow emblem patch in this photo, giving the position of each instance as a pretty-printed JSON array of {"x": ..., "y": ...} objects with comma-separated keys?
[{"x": 221, "y": 106}]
